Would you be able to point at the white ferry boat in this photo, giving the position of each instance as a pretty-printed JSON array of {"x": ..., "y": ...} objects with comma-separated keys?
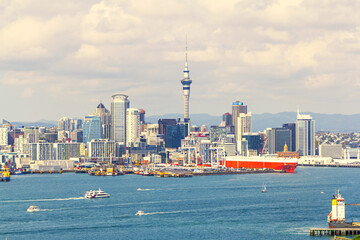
[
  {"x": 140, "y": 213},
  {"x": 33, "y": 209},
  {"x": 96, "y": 194}
]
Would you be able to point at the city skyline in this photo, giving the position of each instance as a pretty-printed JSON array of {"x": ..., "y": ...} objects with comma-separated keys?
[{"x": 271, "y": 55}]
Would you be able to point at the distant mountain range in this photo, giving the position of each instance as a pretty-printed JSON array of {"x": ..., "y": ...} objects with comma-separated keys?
[{"x": 324, "y": 122}]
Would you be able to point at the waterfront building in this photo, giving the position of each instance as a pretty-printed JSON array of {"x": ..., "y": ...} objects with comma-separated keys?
[
  {"x": 287, "y": 154},
  {"x": 91, "y": 128},
  {"x": 331, "y": 150},
  {"x": 4, "y": 136},
  {"x": 277, "y": 138},
  {"x": 119, "y": 104},
  {"x": 237, "y": 108},
  {"x": 292, "y": 128},
  {"x": 105, "y": 118},
  {"x": 253, "y": 140},
  {"x": 101, "y": 148},
  {"x": 65, "y": 151},
  {"x": 39, "y": 151},
  {"x": 172, "y": 136},
  {"x": 132, "y": 126},
  {"x": 305, "y": 135},
  {"x": 243, "y": 126},
  {"x": 186, "y": 82}
]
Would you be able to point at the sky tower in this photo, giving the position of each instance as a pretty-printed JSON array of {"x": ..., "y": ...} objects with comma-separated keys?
[{"x": 186, "y": 87}]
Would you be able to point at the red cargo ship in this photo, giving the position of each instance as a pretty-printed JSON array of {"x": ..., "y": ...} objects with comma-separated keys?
[{"x": 271, "y": 162}]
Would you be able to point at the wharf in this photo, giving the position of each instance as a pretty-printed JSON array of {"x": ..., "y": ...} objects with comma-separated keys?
[
  {"x": 334, "y": 231},
  {"x": 237, "y": 172},
  {"x": 330, "y": 165}
]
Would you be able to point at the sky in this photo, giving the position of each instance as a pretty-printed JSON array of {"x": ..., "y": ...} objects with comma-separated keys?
[{"x": 62, "y": 58}]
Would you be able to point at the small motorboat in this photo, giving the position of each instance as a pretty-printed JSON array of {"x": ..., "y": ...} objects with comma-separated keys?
[
  {"x": 33, "y": 209},
  {"x": 96, "y": 194},
  {"x": 140, "y": 213},
  {"x": 139, "y": 189}
]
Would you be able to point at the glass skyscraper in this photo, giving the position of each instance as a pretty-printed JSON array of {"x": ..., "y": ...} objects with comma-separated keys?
[
  {"x": 91, "y": 128},
  {"x": 119, "y": 105},
  {"x": 305, "y": 135}
]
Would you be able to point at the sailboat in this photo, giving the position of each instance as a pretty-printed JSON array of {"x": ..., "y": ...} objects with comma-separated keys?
[{"x": 263, "y": 190}]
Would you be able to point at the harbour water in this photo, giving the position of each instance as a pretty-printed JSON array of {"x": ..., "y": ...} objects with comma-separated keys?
[{"x": 206, "y": 207}]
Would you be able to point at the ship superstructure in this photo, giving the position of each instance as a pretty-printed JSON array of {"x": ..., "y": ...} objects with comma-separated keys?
[{"x": 336, "y": 218}]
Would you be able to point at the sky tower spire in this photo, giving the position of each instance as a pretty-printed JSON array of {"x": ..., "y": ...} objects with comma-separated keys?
[{"x": 186, "y": 85}]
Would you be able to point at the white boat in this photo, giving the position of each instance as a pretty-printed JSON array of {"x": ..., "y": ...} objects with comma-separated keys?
[
  {"x": 139, "y": 189},
  {"x": 33, "y": 209},
  {"x": 96, "y": 194},
  {"x": 263, "y": 190},
  {"x": 140, "y": 213}
]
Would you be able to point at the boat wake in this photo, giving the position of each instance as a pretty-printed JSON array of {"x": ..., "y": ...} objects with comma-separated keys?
[
  {"x": 42, "y": 200},
  {"x": 145, "y": 189},
  {"x": 153, "y": 213}
]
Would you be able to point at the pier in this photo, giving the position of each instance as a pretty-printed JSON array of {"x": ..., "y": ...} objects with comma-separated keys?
[{"x": 334, "y": 231}]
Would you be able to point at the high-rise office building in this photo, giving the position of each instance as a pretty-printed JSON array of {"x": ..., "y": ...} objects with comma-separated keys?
[
  {"x": 4, "y": 136},
  {"x": 277, "y": 138},
  {"x": 253, "y": 140},
  {"x": 105, "y": 117},
  {"x": 292, "y": 128},
  {"x": 32, "y": 134},
  {"x": 65, "y": 124},
  {"x": 165, "y": 122},
  {"x": 243, "y": 126},
  {"x": 132, "y": 126},
  {"x": 142, "y": 116},
  {"x": 77, "y": 123},
  {"x": 91, "y": 128},
  {"x": 186, "y": 82},
  {"x": 305, "y": 135},
  {"x": 227, "y": 118},
  {"x": 119, "y": 104},
  {"x": 237, "y": 108}
]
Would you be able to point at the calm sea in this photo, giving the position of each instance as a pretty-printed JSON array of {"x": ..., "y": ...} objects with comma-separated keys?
[{"x": 207, "y": 207}]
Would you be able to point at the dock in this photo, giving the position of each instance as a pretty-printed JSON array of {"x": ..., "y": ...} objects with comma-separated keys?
[{"x": 334, "y": 231}]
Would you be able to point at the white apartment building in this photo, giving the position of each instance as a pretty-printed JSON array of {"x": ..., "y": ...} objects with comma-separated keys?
[{"x": 132, "y": 126}]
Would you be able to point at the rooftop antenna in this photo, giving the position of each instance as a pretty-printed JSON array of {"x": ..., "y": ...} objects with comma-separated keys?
[{"x": 186, "y": 50}]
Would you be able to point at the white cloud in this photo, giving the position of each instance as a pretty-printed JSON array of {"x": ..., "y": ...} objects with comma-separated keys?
[
  {"x": 88, "y": 51},
  {"x": 259, "y": 50},
  {"x": 27, "y": 93},
  {"x": 320, "y": 81}
]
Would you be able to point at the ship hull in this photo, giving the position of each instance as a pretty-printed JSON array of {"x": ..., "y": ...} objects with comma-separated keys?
[
  {"x": 341, "y": 224},
  {"x": 276, "y": 164},
  {"x": 6, "y": 179}
]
